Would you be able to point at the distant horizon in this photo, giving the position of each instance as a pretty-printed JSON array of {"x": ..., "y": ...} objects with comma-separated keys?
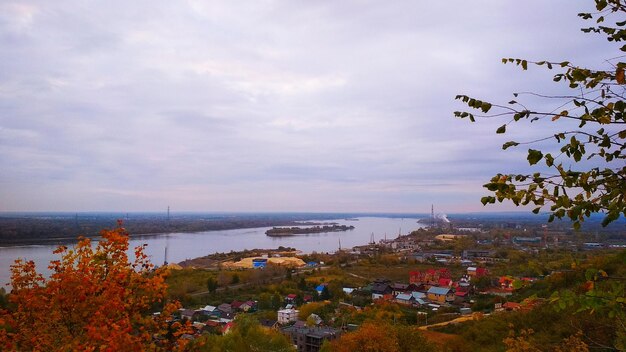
[{"x": 172, "y": 212}]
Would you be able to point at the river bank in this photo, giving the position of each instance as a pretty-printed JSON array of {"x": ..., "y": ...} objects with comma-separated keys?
[{"x": 183, "y": 246}]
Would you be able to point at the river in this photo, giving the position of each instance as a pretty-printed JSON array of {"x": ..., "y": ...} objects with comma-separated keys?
[{"x": 181, "y": 246}]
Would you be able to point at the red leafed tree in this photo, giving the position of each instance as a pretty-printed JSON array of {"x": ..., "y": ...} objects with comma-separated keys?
[{"x": 96, "y": 299}]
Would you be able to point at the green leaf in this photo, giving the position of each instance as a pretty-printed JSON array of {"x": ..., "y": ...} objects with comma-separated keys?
[
  {"x": 485, "y": 200},
  {"x": 509, "y": 144},
  {"x": 549, "y": 160},
  {"x": 501, "y": 129},
  {"x": 534, "y": 156}
]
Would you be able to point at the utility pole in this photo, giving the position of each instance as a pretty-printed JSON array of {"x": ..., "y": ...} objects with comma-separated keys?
[{"x": 432, "y": 215}]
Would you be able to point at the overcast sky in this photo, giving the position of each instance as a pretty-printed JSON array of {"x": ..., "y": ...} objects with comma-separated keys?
[{"x": 268, "y": 105}]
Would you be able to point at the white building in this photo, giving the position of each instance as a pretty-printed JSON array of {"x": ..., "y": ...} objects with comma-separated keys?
[{"x": 287, "y": 315}]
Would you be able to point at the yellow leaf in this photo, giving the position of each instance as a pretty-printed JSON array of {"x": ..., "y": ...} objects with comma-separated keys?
[{"x": 619, "y": 76}]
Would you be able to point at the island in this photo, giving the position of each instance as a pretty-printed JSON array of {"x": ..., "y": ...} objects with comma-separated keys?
[{"x": 290, "y": 231}]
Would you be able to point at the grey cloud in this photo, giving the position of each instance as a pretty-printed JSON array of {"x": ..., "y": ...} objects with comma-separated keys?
[{"x": 317, "y": 106}]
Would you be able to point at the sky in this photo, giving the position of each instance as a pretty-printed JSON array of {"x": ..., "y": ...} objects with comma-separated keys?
[{"x": 335, "y": 106}]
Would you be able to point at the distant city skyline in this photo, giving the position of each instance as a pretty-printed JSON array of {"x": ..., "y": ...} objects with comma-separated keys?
[{"x": 270, "y": 106}]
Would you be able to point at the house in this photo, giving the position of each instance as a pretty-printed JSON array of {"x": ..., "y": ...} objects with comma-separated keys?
[
  {"x": 310, "y": 339},
  {"x": 418, "y": 295},
  {"x": 236, "y": 305},
  {"x": 444, "y": 282},
  {"x": 320, "y": 288},
  {"x": 307, "y": 298},
  {"x": 259, "y": 263},
  {"x": 477, "y": 253},
  {"x": 299, "y": 324},
  {"x": 187, "y": 313},
  {"x": 398, "y": 288},
  {"x": 440, "y": 294},
  {"x": 198, "y": 326},
  {"x": 477, "y": 272},
  {"x": 226, "y": 329},
  {"x": 511, "y": 306},
  {"x": 405, "y": 299},
  {"x": 209, "y": 308},
  {"x": 247, "y": 306},
  {"x": 460, "y": 296},
  {"x": 527, "y": 240},
  {"x": 286, "y": 316},
  {"x": 423, "y": 256},
  {"x": 212, "y": 326},
  {"x": 225, "y": 308},
  {"x": 315, "y": 319},
  {"x": 348, "y": 291},
  {"x": 506, "y": 282},
  {"x": 291, "y": 298},
  {"x": 269, "y": 324},
  {"x": 227, "y": 317},
  {"x": 429, "y": 276},
  {"x": 465, "y": 311},
  {"x": 381, "y": 291},
  {"x": 465, "y": 262},
  {"x": 530, "y": 303}
]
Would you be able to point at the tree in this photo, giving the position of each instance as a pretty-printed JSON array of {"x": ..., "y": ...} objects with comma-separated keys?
[
  {"x": 95, "y": 299},
  {"x": 302, "y": 285},
  {"x": 376, "y": 336},
  {"x": 235, "y": 279},
  {"x": 246, "y": 335},
  {"x": 3, "y": 298},
  {"x": 597, "y": 184},
  {"x": 325, "y": 295},
  {"x": 211, "y": 284},
  {"x": 570, "y": 188},
  {"x": 311, "y": 308}
]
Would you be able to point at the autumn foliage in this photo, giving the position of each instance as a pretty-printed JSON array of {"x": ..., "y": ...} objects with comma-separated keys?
[
  {"x": 96, "y": 299},
  {"x": 380, "y": 337}
]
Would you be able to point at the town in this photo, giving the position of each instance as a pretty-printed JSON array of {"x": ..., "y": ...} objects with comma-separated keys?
[{"x": 434, "y": 279}]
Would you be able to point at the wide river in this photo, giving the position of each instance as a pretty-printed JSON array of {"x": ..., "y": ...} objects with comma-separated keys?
[{"x": 181, "y": 246}]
